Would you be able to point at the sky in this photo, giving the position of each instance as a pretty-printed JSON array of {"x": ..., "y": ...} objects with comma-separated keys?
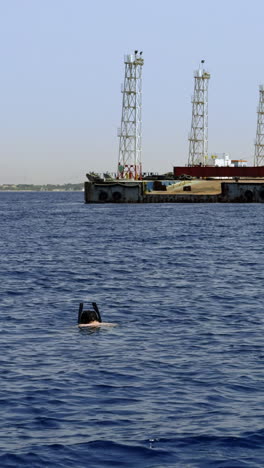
[{"x": 62, "y": 64}]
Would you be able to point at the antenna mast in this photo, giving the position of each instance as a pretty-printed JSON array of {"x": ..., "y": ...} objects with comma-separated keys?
[
  {"x": 259, "y": 143},
  {"x": 198, "y": 139},
  {"x": 129, "y": 161}
]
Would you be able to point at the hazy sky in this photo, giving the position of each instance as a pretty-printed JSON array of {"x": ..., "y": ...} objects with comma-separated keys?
[{"x": 62, "y": 66}]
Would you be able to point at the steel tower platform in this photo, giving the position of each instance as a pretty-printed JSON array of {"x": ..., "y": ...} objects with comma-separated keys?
[
  {"x": 259, "y": 143},
  {"x": 130, "y": 133},
  {"x": 198, "y": 139}
]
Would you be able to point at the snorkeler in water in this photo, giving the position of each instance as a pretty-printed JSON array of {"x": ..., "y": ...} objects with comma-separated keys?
[{"x": 91, "y": 318}]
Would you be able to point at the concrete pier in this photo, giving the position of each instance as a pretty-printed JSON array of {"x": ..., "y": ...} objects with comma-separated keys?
[{"x": 197, "y": 192}]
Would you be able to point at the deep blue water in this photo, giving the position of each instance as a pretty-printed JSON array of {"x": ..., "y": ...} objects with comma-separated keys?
[{"x": 179, "y": 382}]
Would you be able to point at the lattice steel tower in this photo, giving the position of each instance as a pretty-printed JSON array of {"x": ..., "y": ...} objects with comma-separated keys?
[
  {"x": 259, "y": 143},
  {"x": 129, "y": 161},
  {"x": 198, "y": 139}
]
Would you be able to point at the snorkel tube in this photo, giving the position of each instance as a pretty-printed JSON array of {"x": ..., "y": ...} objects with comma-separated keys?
[
  {"x": 80, "y": 312},
  {"x": 97, "y": 311}
]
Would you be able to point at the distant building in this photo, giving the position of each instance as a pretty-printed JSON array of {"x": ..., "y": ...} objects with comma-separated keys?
[
  {"x": 218, "y": 160},
  {"x": 223, "y": 160},
  {"x": 239, "y": 162}
]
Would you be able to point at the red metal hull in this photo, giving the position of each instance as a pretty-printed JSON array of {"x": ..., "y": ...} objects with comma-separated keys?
[{"x": 211, "y": 171}]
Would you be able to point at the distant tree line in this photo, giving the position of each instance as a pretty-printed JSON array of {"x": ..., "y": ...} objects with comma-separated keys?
[{"x": 42, "y": 188}]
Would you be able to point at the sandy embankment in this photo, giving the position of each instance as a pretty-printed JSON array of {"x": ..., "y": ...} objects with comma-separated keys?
[
  {"x": 203, "y": 187},
  {"x": 200, "y": 187}
]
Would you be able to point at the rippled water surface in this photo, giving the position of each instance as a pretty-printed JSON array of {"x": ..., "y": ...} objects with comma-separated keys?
[{"x": 179, "y": 382}]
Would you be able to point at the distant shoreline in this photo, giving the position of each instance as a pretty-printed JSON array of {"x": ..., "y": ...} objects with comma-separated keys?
[
  {"x": 40, "y": 191},
  {"x": 42, "y": 188}
]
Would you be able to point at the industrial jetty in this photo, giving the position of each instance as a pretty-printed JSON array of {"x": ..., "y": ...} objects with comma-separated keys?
[
  {"x": 206, "y": 178},
  {"x": 174, "y": 191}
]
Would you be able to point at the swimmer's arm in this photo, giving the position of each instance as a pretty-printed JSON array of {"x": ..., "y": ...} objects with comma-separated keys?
[
  {"x": 107, "y": 324},
  {"x": 98, "y": 324}
]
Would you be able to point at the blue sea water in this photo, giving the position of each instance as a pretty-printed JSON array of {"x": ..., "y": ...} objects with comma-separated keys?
[{"x": 179, "y": 382}]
